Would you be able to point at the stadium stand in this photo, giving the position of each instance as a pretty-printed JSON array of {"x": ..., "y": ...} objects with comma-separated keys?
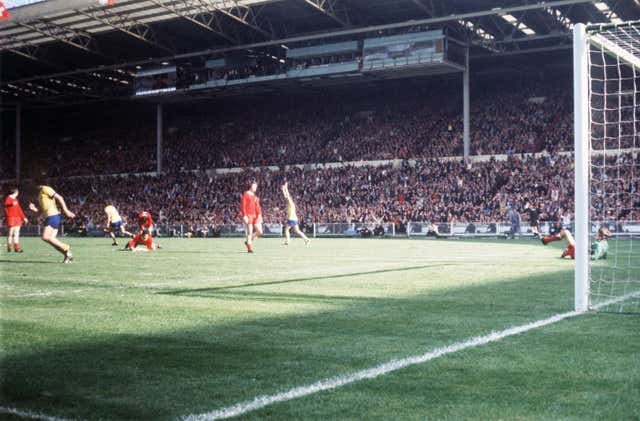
[
  {"x": 429, "y": 190},
  {"x": 331, "y": 129},
  {"x": 415, "y": 132}
]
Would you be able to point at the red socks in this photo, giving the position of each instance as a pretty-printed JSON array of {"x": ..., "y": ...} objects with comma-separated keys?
[
  {"x": 16, "y": 246},
  {"x": 569, "y": 251}
]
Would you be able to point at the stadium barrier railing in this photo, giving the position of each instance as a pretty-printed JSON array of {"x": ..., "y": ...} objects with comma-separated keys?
[{"x": 350, "y": 230}]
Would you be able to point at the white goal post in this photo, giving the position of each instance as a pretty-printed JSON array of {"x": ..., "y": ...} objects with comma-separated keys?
[
  {"x": 606, "y": 65},
  {"x": 581, "y": 149}
]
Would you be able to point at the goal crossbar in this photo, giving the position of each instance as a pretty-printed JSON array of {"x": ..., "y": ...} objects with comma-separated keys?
[{"x": 616, "y": 50}]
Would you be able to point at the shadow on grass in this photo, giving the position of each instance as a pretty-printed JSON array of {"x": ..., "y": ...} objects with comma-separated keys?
[
  {"x": 189, "y": 251},
  {"x": 203, "y": 291},
  {"x": 51, "y": 262},
  {"x": 89, "y": 372},
  {"x": 260, "y": 296}
]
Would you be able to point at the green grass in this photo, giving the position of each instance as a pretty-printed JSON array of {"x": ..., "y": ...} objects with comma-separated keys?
[{"x": 201, "y": 325}]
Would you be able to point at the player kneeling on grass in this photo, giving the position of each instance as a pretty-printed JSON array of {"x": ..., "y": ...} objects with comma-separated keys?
[
  {"x": 143, "y": 237},
  {"x": 15, "y": 218},
  {"x": 599, "y": 248},
  {"x": 292, "y": 218},
  {"x": 114, "y": 223}
]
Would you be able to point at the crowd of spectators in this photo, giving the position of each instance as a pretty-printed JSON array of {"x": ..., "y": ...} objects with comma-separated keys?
[
  {"x": 104, "y": 151},
  {"x": 413, "y": 130},
  {"x": 428, "y": 191},
  {"x": 398, "y": 127},
  {"x": 388, "y": 125},
  {"x": 435, "y": 191}
]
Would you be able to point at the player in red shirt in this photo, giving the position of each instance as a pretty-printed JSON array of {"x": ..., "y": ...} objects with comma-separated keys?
[
  {"x": 251, "y": 215},
  {"x": 15, "y": 219},
  {"x": 143, "y": 237}
]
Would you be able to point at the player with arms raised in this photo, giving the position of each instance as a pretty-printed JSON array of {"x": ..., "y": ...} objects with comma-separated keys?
[
  {"x": 251, "y": 215},
  {"x": 15, "y": 218},
  {"x": 292, "y": 218},
  {"x": 114, "y": 223}
]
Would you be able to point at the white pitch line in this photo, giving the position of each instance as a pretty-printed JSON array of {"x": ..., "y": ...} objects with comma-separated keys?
[
  {"x": 385, "y": 368},
  {"x": 47, "y": 294},
  {"x": 30, "y": 414}
]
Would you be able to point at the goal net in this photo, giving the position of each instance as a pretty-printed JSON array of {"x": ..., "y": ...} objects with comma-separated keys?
[{"x": 607, "y": 145}]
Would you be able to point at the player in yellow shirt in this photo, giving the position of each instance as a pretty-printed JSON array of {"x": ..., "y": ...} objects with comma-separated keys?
[
  {"x": 292, "y": 218},
  {"x": 114, "y": 222},
  {"x": 48, "y": 200}
]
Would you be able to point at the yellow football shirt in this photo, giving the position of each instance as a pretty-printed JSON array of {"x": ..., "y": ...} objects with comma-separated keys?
[
  {"x": 48, "y": 204},
  {"x": 291, "y": 210},
  {"x": 113, "y": 214}
]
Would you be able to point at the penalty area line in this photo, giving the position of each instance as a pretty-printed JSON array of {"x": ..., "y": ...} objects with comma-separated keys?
[{"x": 259, "y": 402}]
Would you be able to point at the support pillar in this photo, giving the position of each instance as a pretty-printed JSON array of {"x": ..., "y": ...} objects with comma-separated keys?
[
  {"x": 465, "y": 108},
  {"x": 18, "y": 141},
  {"x": 159, "y": 138}
]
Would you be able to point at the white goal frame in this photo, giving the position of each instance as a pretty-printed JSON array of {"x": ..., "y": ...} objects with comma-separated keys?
[
  {"x": 582, "y": 148},
  {"x": 582, "y": 139}
]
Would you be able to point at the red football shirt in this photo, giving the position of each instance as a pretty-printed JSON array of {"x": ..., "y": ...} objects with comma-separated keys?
[
  {"x": 145, "y": 220},
  {"x": 250, "y": 205},
  {"x": 13, "y": 211}
]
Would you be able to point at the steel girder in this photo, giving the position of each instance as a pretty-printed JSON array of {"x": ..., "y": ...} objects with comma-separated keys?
[
  {"x": 32, "y": 52},
  {"x": 73, "y": 37},
  {"x": 474, "y": 33},
  {"x": 127, "y": 24},
  {"x": 328, "y": 8},
  {"x": 247, "y": 16},
  {"x": 198, "y": 13}
]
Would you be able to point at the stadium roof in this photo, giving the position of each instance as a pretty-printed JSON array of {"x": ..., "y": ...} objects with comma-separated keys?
[{"x": 69, "y": 51}]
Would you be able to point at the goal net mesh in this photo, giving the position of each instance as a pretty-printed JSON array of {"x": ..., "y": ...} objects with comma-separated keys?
[{"x": 614, "y": 106}]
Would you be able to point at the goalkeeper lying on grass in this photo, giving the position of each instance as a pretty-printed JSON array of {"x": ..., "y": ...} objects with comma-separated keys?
[{"x": 599, "y": 248}]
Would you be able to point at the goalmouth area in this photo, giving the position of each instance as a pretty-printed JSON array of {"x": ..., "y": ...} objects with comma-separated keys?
[
  {"x": 414, "y": 327},
  {"x": 467, "y": 325}
]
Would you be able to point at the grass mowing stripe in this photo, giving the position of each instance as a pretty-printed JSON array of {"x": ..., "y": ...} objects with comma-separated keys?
[
  {"x": 388, "y": 367},
  {"x": 30, "y": 414}
]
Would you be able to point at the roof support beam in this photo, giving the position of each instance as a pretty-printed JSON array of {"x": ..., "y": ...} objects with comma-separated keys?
[
  {"x": 74, "y": 37},
  {"x": 516, "y": 25},
  {"x": 529, "y": 50},
  {"x": 245, "y": 15},
  {"x": 473, "y": 32},
  {"x": 339, "y": 33},
  {"x": 32, "y": 55},
  {"x": 30, "y": 51},
  {"x": 327, "y": 7},
  {"x": 422, "y": 7},
  {"x": 127, "y": 24},
  {"x": 194, "y": 12},
  {"x": 561, "y": 17}
]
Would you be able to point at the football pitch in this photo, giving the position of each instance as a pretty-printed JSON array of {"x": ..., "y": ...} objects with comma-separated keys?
[{"x": 201, "y": 327}]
